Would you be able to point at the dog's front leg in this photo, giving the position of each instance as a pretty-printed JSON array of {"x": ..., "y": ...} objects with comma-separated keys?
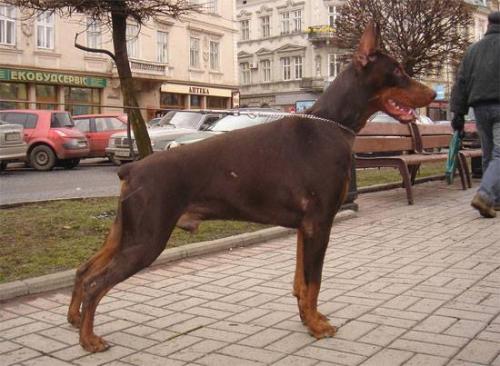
[{"x": 311, "y": 252}]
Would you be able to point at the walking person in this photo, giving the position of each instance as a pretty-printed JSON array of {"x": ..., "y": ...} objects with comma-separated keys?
[{"x": 478, "y": 85}]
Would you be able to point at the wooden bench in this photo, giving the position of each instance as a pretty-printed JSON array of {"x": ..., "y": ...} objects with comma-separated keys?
[{"x": 404, "y": 147}]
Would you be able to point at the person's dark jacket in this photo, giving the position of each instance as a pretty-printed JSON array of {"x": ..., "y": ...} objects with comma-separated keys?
[{"x": 478, "y": 78}]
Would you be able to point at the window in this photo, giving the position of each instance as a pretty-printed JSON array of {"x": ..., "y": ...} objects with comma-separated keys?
[
  {"x": 214, "y": 55},
  {"x": 108, "y": 124},
  {"x": 10, "y": 92},
  {"x": 333, "y": 66},
  {"x": 172, "y": 100},
  {"x": 94, "y": 39},
  {"x": 83, "y": 124},
  {"x": 332, "y": 16},
  {"x": 162, "y": 47},
  {"x": 297, "y": 21},
  {"x": 45, "y": 30},
  {"x": 82, "y": 100},
  {"x": 46, "y": 96},
  {"x": 317, "y": 65},
  {"x": 132, "y": 40},
  {"x": 217, "y": 102},
  {"x": 27, "y": 120},
  {"x": 245, "y": 29},
  {"x": 196, "y": 101},
  {"x": 285, "y": 23},
  {"x": 245, "y": 73},
  {"x": 297, "y": 60},
  {"x": 291, "y": 22},
  {"x": 194, "y": 52},
  {"x": 211, "y": 6},
  {"x": 265, "y": 26},
  {"x": 7, "y": 25},
  {"x": 481, "y": 27},
  {"x": 265, "y": 69},
  {"x": 286, "y": 68}
]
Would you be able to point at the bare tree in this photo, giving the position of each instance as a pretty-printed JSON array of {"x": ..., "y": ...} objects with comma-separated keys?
[
  {"x": 422, "y": 34},
  {"x": 114, "y": 14}
]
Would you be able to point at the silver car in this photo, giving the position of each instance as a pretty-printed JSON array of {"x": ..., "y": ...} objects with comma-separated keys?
[
  {"x": 173, "y": 125},
  {"x": 226, "y": 124},
  {"x": 12, "y": 145}
]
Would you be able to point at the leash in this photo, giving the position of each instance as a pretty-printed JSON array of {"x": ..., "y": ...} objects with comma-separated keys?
[{"x": 299, "y": 115}]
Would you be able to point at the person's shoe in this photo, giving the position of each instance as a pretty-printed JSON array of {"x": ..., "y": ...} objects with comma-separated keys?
[{"x": 484, "y": 208}]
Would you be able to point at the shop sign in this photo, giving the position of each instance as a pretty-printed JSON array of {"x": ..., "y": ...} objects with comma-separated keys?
[
  {"x": 197, "y": 90},
  {"x": 47, "y": 77}
]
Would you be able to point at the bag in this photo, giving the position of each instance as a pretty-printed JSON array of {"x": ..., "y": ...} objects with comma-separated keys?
[{"x": 451, "y": 162}]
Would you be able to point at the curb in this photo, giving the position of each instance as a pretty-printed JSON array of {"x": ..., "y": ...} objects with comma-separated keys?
[{"x": 66, "y": 279}]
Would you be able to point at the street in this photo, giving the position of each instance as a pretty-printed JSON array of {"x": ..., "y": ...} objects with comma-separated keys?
[{"x": 92, "y": 178}]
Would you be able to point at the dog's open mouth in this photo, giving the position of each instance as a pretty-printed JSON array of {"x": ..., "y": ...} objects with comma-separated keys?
[{"x": 402, "y": 113}]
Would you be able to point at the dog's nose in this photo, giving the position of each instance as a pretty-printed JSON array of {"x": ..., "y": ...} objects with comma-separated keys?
[{"x": 434, "y": 95}]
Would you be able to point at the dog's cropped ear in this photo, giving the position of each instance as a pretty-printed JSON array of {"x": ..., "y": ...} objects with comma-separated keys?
[{"x": 368, "y": 45}]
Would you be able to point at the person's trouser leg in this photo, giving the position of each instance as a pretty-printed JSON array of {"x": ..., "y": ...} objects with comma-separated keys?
[{"x": 488, "y": 126}]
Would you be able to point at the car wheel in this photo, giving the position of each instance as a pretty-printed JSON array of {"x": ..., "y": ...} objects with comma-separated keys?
[
  {"x": 70, "y": 163},
  {"x": 43, "y": 158},
  {"x": 3, "y": 165},
  {"x": 115, "y": 161}
]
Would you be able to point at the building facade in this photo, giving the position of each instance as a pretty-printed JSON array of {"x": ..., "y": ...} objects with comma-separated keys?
[
  {"x": 187, "y": 63},
  {"x": 288, "y": 54}
]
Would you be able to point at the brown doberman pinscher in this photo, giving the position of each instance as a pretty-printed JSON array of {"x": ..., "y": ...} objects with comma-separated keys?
[{"x": 293, "y": 172}]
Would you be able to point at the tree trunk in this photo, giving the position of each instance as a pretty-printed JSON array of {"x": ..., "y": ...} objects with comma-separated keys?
[{"x": 126, "y": 82}]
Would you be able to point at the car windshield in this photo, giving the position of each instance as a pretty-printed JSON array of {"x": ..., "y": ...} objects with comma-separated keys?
[
  {"x": 62, "y": 119},
  {"x": 229, "y": 123},
  {"x": 182, "y": 119}
]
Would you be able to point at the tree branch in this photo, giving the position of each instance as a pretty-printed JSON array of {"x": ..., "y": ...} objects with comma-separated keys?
[{"x": 95, "y": 50}]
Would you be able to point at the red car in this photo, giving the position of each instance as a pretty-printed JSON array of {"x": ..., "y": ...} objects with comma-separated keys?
[
  {"x": 51, "y": 137},
  {"x": 98, "y": 128}
]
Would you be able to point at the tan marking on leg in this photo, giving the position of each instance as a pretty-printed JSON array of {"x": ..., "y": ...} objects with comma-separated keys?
[
  {"x": 316, "y": 322},
  {"x": 88, "y": 339},
  {"x": 298, "y": 282}
]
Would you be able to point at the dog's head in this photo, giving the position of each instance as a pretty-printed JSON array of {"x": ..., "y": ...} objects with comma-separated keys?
[{"x": 395, "y": 93}]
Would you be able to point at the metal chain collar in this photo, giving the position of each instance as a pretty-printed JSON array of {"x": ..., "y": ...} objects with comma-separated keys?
[{"x": 299, "y": 115}]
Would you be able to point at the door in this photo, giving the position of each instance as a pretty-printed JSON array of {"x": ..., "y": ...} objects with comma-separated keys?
[
  {"x": 27, "y": 120},
  {"x": 104, "y": 128},
  {"x": 84, "y": 126}
]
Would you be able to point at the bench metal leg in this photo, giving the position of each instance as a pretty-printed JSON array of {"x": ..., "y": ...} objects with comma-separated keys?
[
  {"x": 407, "y": 183},
  {"x": 465, "y": 167}
]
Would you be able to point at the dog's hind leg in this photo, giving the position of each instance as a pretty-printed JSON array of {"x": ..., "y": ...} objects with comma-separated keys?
[
  {"x": 97, "y": 283},
  {"x": 314, "y": 244},
  {"x": 97, "y": 261}
]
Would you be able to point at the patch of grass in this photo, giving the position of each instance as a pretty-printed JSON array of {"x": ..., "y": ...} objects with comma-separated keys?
[
  {"x": 47, "y": 237},
  {"x": 369, "y": 177}
]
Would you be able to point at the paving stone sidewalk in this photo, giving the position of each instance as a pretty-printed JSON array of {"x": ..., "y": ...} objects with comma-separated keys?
[{"x": 407, "y": 285}]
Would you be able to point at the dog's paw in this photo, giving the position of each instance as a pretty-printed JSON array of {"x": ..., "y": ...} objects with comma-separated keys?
[
  {"x": 319, "y": 327},
  {"x": 93, "y": 343},
  {"x": 74, "y": 319}
]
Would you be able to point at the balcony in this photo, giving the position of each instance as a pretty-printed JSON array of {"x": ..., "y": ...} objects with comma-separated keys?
[
  {"x": 322, "y": 35},
  {"x": 312, "y": 84},
  {"x": 146, "y": 69}
]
